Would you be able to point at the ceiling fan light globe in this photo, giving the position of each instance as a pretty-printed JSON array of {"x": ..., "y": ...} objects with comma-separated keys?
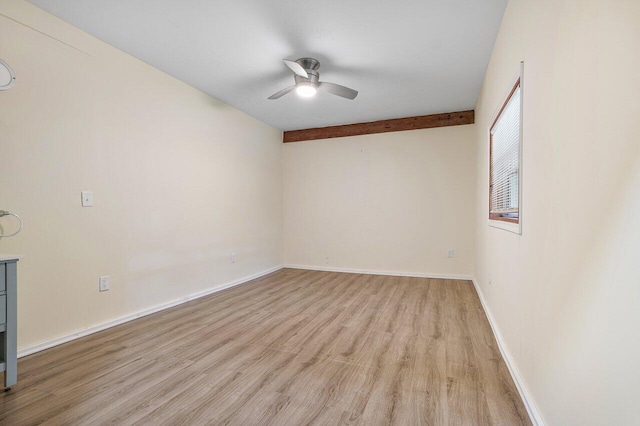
[{"x": 305, "y": 90}]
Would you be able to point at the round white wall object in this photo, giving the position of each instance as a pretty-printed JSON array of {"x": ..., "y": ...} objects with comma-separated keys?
[{"x": 7, "y": 77}]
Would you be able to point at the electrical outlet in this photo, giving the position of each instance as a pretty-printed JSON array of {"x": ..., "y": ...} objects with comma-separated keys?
[
  {"x": 233, "y": 258},
  {"x": 105, "y": 283},
  {"x": 87, "y": 198},
  {"x": 450, "y": 253}
]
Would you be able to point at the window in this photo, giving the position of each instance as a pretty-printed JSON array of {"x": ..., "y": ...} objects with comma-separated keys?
[{"x": 505, "y": 146}]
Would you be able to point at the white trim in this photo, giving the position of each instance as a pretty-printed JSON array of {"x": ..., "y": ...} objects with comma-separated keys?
[
  {"x": 525, "y": 394},
  {"x": 73, "y": 336},
  {"x": 372, "y": 272}
]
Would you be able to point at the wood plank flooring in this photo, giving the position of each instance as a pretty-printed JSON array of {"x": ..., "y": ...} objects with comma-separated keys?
[{"x": 295, "y": 347}]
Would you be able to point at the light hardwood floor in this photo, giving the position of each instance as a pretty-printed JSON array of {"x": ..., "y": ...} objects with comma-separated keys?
[{"x": 292, "y": 348}]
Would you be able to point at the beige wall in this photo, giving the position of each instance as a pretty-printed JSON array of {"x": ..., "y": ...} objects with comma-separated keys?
[
  {"x": 391, "y": 202},
  {"x": 180, "y": 180},
  {"x": 566, "y": 294}
]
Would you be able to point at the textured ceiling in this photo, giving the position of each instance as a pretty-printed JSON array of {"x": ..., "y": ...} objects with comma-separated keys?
[{"x": 406, "y": 58}]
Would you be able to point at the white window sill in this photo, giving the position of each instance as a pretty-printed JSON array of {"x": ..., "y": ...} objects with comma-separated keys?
[{"x": 507, "y": 226}]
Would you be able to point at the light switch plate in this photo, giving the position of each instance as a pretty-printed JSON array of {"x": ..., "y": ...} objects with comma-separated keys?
[{"x": 87, "y": 199}]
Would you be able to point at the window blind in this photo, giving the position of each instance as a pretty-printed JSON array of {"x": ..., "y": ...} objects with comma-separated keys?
[{"x": 505, "y": 158}]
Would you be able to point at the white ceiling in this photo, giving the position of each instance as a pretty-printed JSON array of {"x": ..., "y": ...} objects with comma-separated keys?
[{"x": 406, "y": 58}]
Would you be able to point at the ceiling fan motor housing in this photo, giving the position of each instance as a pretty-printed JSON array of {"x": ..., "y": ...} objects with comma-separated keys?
[
  {"x": 309, "y": 64},
  {"x": 314, "y": 76}
]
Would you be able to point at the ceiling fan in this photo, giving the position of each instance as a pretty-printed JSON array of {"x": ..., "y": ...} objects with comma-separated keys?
[{"x": 306, "y": 76}]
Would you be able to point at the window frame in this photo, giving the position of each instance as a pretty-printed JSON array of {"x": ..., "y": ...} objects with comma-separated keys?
[{"x": 495, "y": 220}]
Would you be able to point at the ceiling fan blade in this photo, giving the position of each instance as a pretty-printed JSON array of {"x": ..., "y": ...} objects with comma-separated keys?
[
  {"x": 282, "y": 92},
  {"x": 296, "y": 68},
  {"x": 336, "y": 89}
]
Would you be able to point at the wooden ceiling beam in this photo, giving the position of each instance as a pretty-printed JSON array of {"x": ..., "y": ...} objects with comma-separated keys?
[{"x": 383, "y": 126}]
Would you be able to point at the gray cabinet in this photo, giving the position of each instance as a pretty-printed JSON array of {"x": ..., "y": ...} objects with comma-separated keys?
[{"x": 8, "y": 319}]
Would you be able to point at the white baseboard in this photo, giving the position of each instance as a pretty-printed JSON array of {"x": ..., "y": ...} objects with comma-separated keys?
[
  {"x": 372, "y": 272},
  {"x": 525, "y": 394},
  {"x": 76, "y": 335}
]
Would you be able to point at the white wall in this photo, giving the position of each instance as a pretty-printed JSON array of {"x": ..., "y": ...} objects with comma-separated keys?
[
  {"x": 391, "y": 202},
  {"x": 566, "y": 294},
  {"x": 180, "y": 180}
]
